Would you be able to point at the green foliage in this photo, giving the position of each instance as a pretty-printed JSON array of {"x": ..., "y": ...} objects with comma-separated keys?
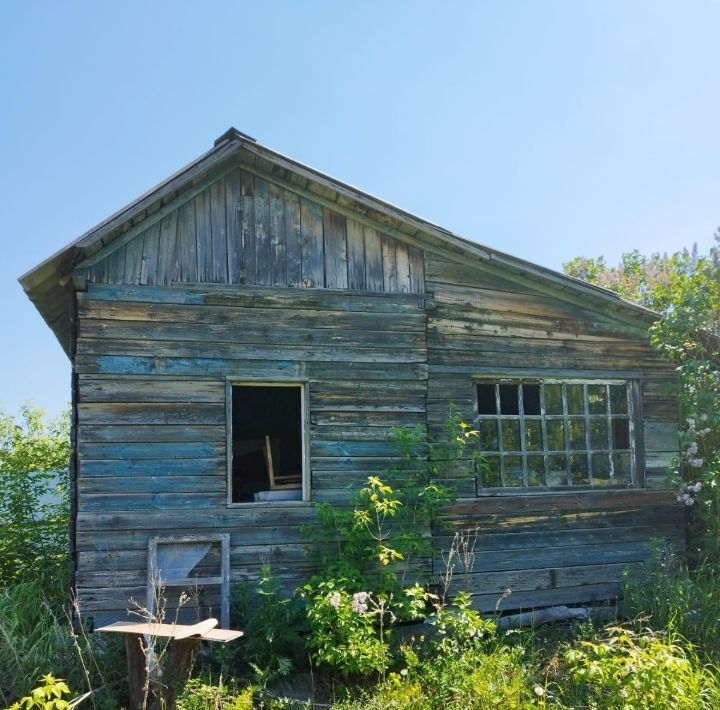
[
  {"x": 374, "y": 544},
  {"x": 458, "y": 628},
  {"x": 33, "y": 466},
  {"x": 35, "y": 636},
  {"x": 203, "y": 694},
  {"x": 472, "y": 680},
  {"x": 672, "y": 598},
  {"x": 343, "y": 631},
  {"x": 48, "y": 696},
  {"x": 272, "y": 623},
  {"x": 639, "y": 670}
]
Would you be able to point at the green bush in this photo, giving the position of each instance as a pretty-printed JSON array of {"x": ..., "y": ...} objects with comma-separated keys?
[
  {"x": 638, "y": 670},
  {"x": 34, "y": 456},
  {"x": 203, "y": 694}
]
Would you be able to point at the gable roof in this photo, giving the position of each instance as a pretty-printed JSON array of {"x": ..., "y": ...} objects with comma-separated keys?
[{"x": 48, "y": 284}]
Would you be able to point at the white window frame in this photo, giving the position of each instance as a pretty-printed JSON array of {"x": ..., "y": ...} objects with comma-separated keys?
[
  {"x": 302, "y": 384},
  {"x": 636, "y": 445}
]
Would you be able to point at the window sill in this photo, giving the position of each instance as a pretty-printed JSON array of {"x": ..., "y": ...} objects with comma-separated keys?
[
  {"x": 550, "y": 491},
  {"x": 271, "y": 504}
]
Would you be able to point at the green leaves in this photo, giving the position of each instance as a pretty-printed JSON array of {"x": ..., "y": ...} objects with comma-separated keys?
[{"x": 34, "y": 456}]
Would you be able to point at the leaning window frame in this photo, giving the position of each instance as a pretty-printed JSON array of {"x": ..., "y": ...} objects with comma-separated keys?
[
  {"x": 302, "y": 384},
  {"x": 637, "y": 474}
]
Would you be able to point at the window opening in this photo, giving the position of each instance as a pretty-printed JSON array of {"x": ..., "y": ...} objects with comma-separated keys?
[
  {"x": 267, "y": 450},
  {"x": 551, "y": 435}
]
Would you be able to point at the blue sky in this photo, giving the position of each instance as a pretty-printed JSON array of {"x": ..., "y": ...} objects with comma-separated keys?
[{"x": 544, "y": 129}]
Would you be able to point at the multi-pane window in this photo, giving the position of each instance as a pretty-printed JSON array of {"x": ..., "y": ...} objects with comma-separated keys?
[{"x": 555, "y": 434}]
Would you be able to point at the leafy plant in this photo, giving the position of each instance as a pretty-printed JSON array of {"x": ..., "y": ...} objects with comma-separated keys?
[
  {"x": 33, "y": 504},
  {"x": 640, "y": 670},
  {"x": 272, "y": 622},
  {"x": 48, "y": 696},
  {"x": 203, "y": 694}
]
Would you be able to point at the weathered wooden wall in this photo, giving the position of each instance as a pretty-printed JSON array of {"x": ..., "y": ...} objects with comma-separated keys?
[
  {"x": 152, "y": 364},
  {"x": 244, "y": 229},
  {"x": 547, "y": 548},
  {"x": 155, "y": 346}
]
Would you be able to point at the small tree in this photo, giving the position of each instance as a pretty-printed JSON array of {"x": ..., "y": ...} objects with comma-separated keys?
[{"x": 34, "y": 455}]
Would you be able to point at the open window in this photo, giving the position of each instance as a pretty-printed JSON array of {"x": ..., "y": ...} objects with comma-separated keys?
[
  {"x": 266, "y": 443},
  {"x": 555, "y": 434}
]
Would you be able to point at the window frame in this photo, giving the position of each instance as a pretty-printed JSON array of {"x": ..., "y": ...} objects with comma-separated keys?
[
  {"x": 303, "y": 385},
  {"x": 634, "y": 414}
]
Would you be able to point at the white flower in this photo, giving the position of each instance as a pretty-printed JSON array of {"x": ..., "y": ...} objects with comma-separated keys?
[
  {"x": 539, "y": 690},
  {"x": 334, "y": 600},
  {"x": 689, "y": 501},
  {"x": 404, "y": 671},
  {"x": 703, "y": 417},
  {"x": 691, "y": 423},
  {"x": 359, "y": 602},
  {"x": 696, "y": 463},
  {"x": 696, "y": 488}
]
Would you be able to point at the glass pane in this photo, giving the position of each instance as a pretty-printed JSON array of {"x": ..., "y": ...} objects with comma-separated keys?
[
  {"x": 513, "y": 471},
  {"x": 601, "y": 469},
  {"x": 599, "y": 433},
  {"x": 553, "y": 399},
  {"x": 536, "y": 470},
  {"x": 486, "y": 399},
  {"x": 510, "y": 434},
  {"x": 491, "y": 472},
  {"x": 575, "y": 399},
  {"x": 557, "y": 471},
  {"x": 531, "y": 399},
  {"x": 621, "y": 463},
  {"x": 488, "y": 436},
  {"x": 555, "y": 434},
  {"x": 618, "y": 399},
  {"x": 533, "y": 435},
  {"x": 577, "y": 434},
  {"x": 578, "y": 469},
  {"x": 597, "y": 400},
  {"x": 621, "y": 433},
  {"x": 509, "y": 403}
]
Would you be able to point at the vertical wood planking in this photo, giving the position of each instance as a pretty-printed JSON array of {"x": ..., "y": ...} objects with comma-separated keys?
[
  {"x": 116, "y": 266},
  {"x": 133, "y": 260},
  {"x": 293, "y": 250},
  {"x": 402, "y": 261},
  {"x": 166, "y": 252},
  {"x": 311, "y": 239},
  {"x": 278, "y": 270},
  {"x": 247, "y": 228},
  {"x": 373, "y": 260},
  {"x": 262, "y": 233},
  {"x": 389, "y": 263},
  {"x": 355, "y": 256},
  {"x": 149, "y": 266},
  {"x": 203, "y": 237},
  {"x": 232, "y": 226},
  {"x": 335, "y": 240},
  {"x": 417, "y": 270},
  {"x": 218, "y": 272},
  {"x": 187, "y": 244}
]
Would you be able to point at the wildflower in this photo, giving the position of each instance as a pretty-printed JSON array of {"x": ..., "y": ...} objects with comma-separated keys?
[
  {"x": 359, "y": 602},
  {"x": 539, "y": 690},
  {"x": 404, "y": 672},
  {"x": 689, "y": 501},
  {"x": 334, "y": 600},
  {"x": 703, "y": 417},
  {"x": 691, "y": 423},
  {"x": 695, "y": 488},
  {"x": 696, "y": 463}
]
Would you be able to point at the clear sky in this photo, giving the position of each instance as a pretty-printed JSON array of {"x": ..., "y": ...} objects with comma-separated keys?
[{"x": 542, "y": 128}]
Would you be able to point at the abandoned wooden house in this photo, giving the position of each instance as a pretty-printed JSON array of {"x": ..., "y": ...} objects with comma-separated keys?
[{"x": 244, "y": 336}]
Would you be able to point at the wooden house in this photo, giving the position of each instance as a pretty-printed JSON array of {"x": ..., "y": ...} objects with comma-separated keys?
[{"x": 244, "y": 336}]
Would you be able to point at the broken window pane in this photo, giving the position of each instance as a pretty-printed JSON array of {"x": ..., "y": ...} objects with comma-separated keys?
[
  {"x": 486, "y": 399},
  {"x": 621, "y": 433},
  {"x": 531, "y": 399},
  {"x": 509, "y": 403}
]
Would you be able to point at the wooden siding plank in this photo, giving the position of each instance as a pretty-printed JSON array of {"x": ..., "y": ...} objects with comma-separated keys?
[
  {"x": 232, "y": 226},
  {"x": 417, "y": 270},
  {"x": 150, "y": 255},
  {"x": 389, "y": 263},
  {"x": 311, "y": 231},
  {"x": 402, "y": 259},
  {"x": 203, "y": 237},
  {"x": 262, "y": 233},
  {"x": 335, "y": 247},
  {"x": 167, "y": 249},
  {"x": 187, "y": 263},
  {"x": 293, "y": 240},
  {"x": 218, "y": 229},
  {"x": 356, "y": 255},
  {"x": 276, "y": 226},
  {"x": 373, "y": 260},
  {"x": 247, "y": 227}
]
